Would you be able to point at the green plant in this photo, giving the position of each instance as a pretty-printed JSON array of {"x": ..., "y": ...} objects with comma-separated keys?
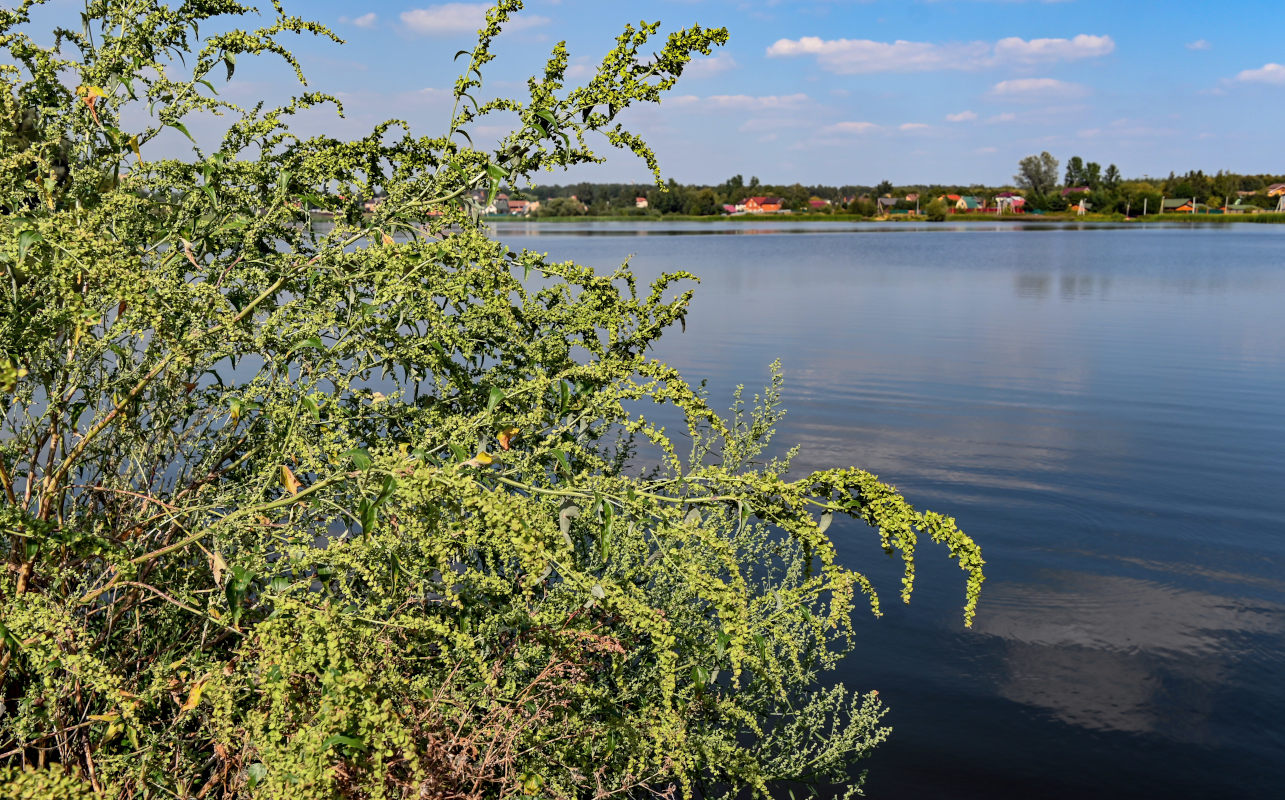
[
  {"x": 345, "y": 510},
  {"x": 937, "y": 210}
]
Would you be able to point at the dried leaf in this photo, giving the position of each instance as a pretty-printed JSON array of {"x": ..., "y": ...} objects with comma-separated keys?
[
  {"x": 289, "y": 481},
  {"x": 482, "y": 459},
  {"x": 506, "y": 436},
  {"x": 193, "y": 697}
]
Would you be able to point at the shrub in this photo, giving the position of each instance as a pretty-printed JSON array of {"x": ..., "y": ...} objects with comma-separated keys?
[{"x": 345, "y": 510}]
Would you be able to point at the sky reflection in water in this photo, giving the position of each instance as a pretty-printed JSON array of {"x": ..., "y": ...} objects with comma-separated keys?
[{"x": 1100, "y": 408}]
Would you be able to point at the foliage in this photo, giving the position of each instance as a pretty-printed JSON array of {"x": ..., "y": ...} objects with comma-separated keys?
[
  {"x": 1037, "y": 174},
  {"x": 352, "y": 510},
  {"x": 937, "y": 210}
]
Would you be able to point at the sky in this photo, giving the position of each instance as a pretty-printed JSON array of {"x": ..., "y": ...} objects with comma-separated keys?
[{"x": 849, "y": 91}]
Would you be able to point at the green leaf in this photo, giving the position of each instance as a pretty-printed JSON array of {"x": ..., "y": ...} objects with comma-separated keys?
[
  {"x": 496, "y": 396},
  {"x": 313, "y": 342},
  {"x": 256, "y": 772},
  {"x": 181, "y": 128},
  {"x": 562, "y": 459},
  {"x": 604, "y": 536},
  {"x": 360, "y": 458},
  {"x": 693, "y": 517},
  {"x": 312, "y": 407},
  {"x": 25, "y": 240},
  {"x": 386, "y": 491},
  {"x": 349, "y": 742},
  {"x": 230, "y": 60}
]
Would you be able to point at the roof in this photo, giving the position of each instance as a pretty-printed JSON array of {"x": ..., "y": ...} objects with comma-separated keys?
[
  {"x": 1075, "y": 190},
  {"x": 1179, "y": 203},
  {"x": 971, "y": 202}
]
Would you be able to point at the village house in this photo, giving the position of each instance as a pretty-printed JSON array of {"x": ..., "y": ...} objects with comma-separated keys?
[
  {"x": 968, "y": 203},
  {"x": 1181, "y": 206},
  {"x": 763, "y": 205},
  {"x": 640, "y": 202},
  {"x": 1276, "y": 190},
  {"x": 519, "y": 207},
  {"x": 1070, "y": 190},
  {"x": 1241, "y": 207}
]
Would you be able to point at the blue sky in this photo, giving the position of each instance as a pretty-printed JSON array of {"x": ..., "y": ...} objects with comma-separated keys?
[{"x": 855, "y": 91}]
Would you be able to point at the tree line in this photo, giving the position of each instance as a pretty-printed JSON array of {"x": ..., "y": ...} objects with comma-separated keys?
[{"x": 1039, "y": 178}]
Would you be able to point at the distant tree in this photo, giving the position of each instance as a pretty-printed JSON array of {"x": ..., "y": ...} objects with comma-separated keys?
[
  {"x": 863, "y": 206},
  {"x": 884, "y": 189},
  {"x": 937, "y": 210},
  {"x": 1112, "y": 177},
  {"x": 701, "y": 203},
  {"x": 1074, "y": 172},
  {"x": 1037, "y": 174},
  {"x": 754, "y": 181},
  {"x": 1092, "y": 175}
]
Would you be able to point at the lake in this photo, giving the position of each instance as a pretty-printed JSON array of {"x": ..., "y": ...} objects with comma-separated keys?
[{"x": 1100, "y": 407}]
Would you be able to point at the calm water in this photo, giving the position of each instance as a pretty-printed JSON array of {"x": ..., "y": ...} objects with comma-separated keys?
[{"x": 1101, "y": 409}]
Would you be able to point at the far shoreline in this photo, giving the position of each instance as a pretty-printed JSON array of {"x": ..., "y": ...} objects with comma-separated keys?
[{"x": 1199, "y": 219}]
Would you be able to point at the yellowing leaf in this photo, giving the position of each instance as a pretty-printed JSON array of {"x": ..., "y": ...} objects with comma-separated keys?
[
  {"x": 193, "y": 697},
  {"x": 482, "y": 459},
  {"x": 386, "y": 238},
  {"x": 506, "y": 436},
  {"x": 289, "y": 481}
]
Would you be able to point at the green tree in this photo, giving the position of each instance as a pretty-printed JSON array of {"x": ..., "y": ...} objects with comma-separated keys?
[
  {"x": 1075, "y": 175},
  {"x": 884, "y": 189},
  {"x": 1092, "y": 175},
  {"x": 1111, "y": 179},
  {"x": 342, "y": 510},
  {"x": 1037, "y": 174},
  {"x": 937, "y": 210}
]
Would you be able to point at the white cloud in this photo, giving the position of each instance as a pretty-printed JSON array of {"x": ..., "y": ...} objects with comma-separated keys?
[
  {"x": 450, "y": 18},
  {"x": 742, "y": 102},
  {"x": 850, "y": 127},
  {"x": 914, "y": 126},
  {"x": 1268, "y": 73},
  {"x": 1037, "y": 89},
  {"x": 705, "y": 67},
  {"x": 1199, "y": 44},
  {"x": 864, "y": 56},
  {"x": 1041, "y": 50},
  {"x": 963, "y": 116},
  {"x": 366, "y": 20}
]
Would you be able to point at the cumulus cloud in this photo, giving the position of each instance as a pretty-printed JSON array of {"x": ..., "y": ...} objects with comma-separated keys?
[
  {"x": 449, "y": 18},
  {"x": 850, "y": 127},
  {"x": 705, "y": 67},
  {"x": 1037, "y": 89},
  {"x": 1043, "y": 50},
  {"x": 865, "y": 56},
  {"x": 963, "y": 116},
  {"x": 1268, "y": 73},
  {"x": 741, "y": 102},
  {"x": 367, "y": 20},
  {"x": 913, "y": 126}
]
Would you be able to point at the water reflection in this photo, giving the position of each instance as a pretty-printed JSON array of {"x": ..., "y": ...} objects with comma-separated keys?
[{"x": 1099, "y": 651}]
